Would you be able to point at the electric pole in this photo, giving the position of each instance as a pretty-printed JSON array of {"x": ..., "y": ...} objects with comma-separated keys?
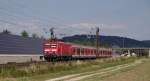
[
  {"x": 52, "y": 33},
  {"x": 97, "y": 37}
]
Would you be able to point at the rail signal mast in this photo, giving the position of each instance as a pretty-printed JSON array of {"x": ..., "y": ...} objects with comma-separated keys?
[
  {"x": 97, "y": 38},
  {"x": 52, "y": 33}
]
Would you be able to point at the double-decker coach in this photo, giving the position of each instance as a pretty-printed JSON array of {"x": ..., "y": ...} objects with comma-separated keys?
[{"x": 59, "y": 50}]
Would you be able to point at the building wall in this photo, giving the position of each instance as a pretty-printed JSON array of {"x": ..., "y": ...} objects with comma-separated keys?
[
  {"x": 4, "y": 59},
  {"x": 15, "y": 48},
  {"x": 13, "y": 44}
]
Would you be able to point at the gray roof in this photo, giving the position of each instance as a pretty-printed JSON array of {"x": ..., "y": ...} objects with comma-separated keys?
[{"x": 13, "y": 44}]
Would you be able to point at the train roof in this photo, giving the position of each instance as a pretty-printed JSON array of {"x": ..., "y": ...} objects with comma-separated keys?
[
  {"x": 78, "y": 45},
  {"x": 90, "y": 47}
]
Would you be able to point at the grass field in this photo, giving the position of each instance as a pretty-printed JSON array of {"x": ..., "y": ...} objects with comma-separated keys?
[
  {"x": 139, "y": 72},
  {"x": 45, "y": 72}
]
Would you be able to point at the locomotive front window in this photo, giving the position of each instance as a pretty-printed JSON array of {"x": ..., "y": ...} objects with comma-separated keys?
[{"x": 51, "y": 45}]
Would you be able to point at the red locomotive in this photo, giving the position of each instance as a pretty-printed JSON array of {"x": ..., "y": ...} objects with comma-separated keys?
[{"x": 66, "y": 51}]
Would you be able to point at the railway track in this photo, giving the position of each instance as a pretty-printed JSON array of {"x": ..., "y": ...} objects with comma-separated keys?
[{"x": 24, "y": 64}]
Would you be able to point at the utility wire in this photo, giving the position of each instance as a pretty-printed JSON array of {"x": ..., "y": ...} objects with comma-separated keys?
[
  {"x": 35, "y": 17},
  {"x": 18, "y": 6}
]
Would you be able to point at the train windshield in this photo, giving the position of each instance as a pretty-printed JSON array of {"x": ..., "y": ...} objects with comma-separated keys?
[{"x": 50, "y": 45}]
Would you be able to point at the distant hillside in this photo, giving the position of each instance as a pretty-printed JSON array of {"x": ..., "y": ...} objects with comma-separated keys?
[
  {"x": 107, "y": 41},
  {"x": 146, "y": 41}
]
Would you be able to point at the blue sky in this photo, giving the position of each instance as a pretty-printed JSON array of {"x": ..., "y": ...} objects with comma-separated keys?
[{"x": 128, "y": 18}]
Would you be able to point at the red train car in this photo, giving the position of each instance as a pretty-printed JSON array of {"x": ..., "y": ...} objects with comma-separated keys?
[{"x": 66, "y": 51}]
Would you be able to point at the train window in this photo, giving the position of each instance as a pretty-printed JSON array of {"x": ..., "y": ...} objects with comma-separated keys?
[
  {"x": 106, "y": 52},
  {"x": 41, "y": 57},
  {"x": 94, "y": 51},
  {"x": 102, "y": 52},
  {"x": 86, "y": 51},
  {"x": 99, "y": 52},
  {"x": 78, "y": 50},
  {"x": 73, "y": 50},
  {"x": 53, "y": 45},
  {"x": 109, "y": 52},
  {"x": 50, "y": 45},
  {"x": 91, "y": 51},
  {"x": 82, "y": 51}
]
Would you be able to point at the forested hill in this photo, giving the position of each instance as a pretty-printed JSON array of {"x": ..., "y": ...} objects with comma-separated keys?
[
  {"x": 107, "y": 41},
  {"x": 146, "y": 41}
]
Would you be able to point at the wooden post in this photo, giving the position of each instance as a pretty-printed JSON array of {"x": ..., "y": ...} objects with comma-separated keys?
[
  {"x": 129, "y": 52},
  {"x": 149, "y": 53}
]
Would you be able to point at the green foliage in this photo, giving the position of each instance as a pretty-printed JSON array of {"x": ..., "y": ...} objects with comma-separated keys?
[
  {"x": 89, "y": 43},
  {"x": 24, "y": 34}
]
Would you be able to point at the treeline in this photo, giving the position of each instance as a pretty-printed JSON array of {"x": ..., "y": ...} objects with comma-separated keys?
[
  {"x": 24, "y": 33},
  {"x": 107, "y": 41},
  {"x": 88, "y": 43}
]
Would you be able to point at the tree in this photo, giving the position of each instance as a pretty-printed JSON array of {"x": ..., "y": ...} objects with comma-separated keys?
[
  {"x": 24, "y": 33},
  {"x": 6, "y": 32},
  {"x": 34, "y": 35}
]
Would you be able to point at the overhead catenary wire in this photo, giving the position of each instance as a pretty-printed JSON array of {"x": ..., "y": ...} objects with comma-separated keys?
[
  {"x": 25, "y": 17},
  {"x": 8, "y": 13},
  {"x": 46, "y": 23},
  {"x": 18, "y": 6}
]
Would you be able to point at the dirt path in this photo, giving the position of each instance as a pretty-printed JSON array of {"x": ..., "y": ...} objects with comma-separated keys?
[
  {"x": 140, "y": 73},
  {"x": 76, "y": 77}
]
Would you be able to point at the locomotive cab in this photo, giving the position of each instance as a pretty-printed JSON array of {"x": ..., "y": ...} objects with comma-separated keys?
[{"x": 50, "y": 49}]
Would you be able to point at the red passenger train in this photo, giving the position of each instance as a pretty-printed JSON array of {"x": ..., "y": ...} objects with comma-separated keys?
[{"x": 59, "y": 50}]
